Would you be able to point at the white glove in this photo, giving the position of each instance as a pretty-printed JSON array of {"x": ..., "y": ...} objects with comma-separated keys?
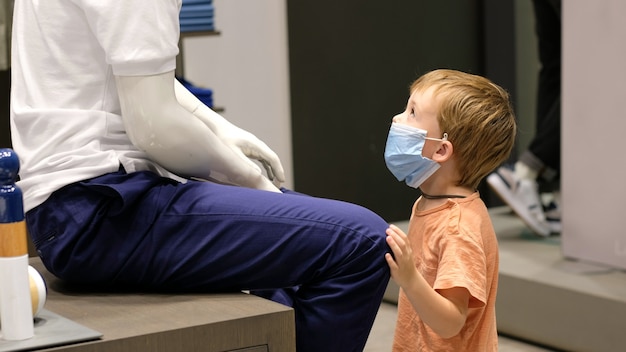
[
  {"x": 188, "y": 138},
  {"x": 242, "y": 142}
]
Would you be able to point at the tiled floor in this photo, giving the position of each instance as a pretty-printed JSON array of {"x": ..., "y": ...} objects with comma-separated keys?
[{"x": 382, "y": 335}]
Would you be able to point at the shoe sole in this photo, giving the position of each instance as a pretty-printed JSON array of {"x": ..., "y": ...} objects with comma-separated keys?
[{"x": 502, "y": 190}]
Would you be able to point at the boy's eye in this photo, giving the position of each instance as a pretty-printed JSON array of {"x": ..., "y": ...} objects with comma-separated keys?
[{"x": 412, "y": 112}]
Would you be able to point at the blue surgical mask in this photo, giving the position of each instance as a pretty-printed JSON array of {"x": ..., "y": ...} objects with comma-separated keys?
[{"x": 403, "y": 154}]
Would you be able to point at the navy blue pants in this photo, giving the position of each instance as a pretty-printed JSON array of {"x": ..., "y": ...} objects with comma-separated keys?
[{"x": 323, "y": 257}]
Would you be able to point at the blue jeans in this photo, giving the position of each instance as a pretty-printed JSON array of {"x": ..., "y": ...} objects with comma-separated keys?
[{"x": 325, "y": 258}]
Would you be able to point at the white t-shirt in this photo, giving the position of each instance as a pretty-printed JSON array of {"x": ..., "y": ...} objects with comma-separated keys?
[{"x": 65, "y": 112}]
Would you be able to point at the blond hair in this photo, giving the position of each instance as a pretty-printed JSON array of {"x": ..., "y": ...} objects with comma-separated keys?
[{"x": 478, "y": 117}]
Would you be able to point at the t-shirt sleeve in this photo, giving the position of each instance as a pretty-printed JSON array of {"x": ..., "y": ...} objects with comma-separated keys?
[{"x": 138, "y": 37}]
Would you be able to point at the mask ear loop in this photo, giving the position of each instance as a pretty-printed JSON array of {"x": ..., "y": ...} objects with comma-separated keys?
[{"x": 445, "y": 138}]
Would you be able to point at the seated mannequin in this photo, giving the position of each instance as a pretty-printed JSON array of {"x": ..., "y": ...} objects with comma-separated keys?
[{"x": 112, "y": 148}]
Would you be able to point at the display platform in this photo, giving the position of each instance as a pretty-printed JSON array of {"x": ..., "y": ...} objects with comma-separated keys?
[{"x": 51, "y": 330}]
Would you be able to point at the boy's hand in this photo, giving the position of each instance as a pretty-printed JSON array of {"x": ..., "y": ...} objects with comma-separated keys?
[{"x": 403, "y": 268}]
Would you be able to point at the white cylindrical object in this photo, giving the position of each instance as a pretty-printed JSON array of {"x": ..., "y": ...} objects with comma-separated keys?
[
  {"x": 38, "y": 291},
  {"x": 16, "y": 314}
]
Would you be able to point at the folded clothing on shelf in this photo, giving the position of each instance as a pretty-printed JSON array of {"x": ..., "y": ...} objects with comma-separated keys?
[
  {"x": 197, "y": 15},
  {"x": 205, "y": 95}
]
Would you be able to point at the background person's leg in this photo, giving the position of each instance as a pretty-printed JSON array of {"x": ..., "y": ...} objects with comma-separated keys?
[{"x": 546, "y": 144}]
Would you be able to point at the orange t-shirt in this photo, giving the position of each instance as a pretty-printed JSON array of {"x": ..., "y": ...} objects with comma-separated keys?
[{"x": 454, "y": 245}]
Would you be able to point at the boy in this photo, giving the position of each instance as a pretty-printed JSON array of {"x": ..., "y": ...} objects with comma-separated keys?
[{"x": 456, "y": 129}]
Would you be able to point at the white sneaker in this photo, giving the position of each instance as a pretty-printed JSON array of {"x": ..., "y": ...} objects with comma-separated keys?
[
  {"x": 522, "y": 196},
  {"x": 552, "y": 213}
]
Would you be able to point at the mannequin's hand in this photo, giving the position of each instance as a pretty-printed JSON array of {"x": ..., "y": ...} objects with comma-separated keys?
[
  {"x": 242, "y": 143},
  {"x": 248, "y": 146}
]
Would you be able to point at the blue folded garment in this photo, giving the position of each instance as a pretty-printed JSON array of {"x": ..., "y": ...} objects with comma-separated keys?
[
  {"x": 205, "y": 95},
  {"x": 191, "y": 2},
  {"x": 192, "y": 11},
  {"x": 199, "y": 28},
  {"x": 195, "y": 21},
  {"x": 196, "y": 24}
]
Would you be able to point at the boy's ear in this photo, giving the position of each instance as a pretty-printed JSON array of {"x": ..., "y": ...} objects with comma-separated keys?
[{"x": 444, "y": 152}]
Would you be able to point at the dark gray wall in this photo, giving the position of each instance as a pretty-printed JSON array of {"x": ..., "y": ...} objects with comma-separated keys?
[{"x": 351, "y": 63}]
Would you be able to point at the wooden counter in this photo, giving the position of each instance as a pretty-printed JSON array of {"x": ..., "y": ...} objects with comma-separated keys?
[{"x": 172, "y": 322}]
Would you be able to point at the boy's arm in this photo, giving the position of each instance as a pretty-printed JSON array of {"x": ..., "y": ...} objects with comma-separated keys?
[
  {"x": 444, "y": 311},
  {"x": 174, "y": 137}
]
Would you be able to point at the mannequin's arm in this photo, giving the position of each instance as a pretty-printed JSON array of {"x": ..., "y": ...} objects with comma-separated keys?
[{"x": 176, "y": 139}]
